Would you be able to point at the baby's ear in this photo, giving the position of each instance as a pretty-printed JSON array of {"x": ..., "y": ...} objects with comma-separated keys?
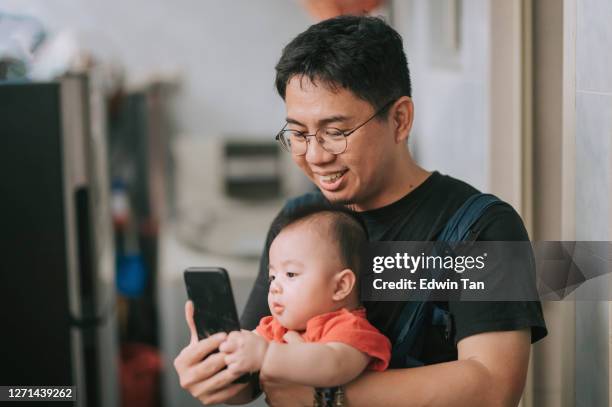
[{"x": 345, "y": 282}]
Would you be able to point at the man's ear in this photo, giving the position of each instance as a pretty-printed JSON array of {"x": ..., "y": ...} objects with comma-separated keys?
[
  {"x": 345, "y": 282},
  {"x": 402, "y": 116}
]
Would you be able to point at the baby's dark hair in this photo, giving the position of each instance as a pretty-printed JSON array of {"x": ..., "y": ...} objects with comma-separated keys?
[{"x": 343, "y": 225}]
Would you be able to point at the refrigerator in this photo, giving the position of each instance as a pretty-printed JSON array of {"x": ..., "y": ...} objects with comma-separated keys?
[{"x": 57, "y": 266}]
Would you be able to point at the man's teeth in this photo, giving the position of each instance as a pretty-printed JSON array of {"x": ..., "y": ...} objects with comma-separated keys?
[{"x": 332, "y": 177}]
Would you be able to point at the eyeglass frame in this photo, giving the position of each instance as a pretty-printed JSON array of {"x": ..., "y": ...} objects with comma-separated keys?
[{"x": 344, "y": 133}]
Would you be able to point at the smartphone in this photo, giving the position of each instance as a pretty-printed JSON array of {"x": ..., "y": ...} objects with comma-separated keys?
[
  {"x": 214, "y": 309},
  {"x": 210, "y": 291}
]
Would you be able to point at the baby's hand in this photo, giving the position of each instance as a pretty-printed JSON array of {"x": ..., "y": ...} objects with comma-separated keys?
[
  {"x": 245, "y": 351},
  {"x": 292, "y": 337}
]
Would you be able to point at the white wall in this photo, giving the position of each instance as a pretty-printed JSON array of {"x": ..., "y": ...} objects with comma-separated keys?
[
  {"x": 226, "y": 51},
  {"x": 593, "y": 190},
  {"x": 451, "y": 104}
]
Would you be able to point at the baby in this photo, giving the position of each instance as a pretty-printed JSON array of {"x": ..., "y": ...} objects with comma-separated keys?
[{"x": 318, "y": 334}]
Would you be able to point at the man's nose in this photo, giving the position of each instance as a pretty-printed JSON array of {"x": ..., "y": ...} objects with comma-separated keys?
[{"x": 315, "y": 154}]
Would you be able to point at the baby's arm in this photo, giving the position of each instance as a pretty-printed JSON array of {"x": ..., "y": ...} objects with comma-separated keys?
[
  {"x": 309, "y": 364},
  {"x": 313, "y": 364}
]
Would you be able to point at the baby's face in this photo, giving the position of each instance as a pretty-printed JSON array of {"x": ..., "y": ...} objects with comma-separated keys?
[{"x": 303, "y": 264}]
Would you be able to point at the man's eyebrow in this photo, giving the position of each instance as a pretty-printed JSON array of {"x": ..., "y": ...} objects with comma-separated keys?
[{"x": 332, "y": 119}]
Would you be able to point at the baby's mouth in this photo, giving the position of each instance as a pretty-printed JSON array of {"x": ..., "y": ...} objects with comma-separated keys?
[{"x": 277, "y": 308}]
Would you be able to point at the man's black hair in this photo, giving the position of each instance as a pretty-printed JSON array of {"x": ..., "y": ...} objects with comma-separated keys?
[
  {"x": 361, "y": 54},
  {"x": 345, "y": 228}
]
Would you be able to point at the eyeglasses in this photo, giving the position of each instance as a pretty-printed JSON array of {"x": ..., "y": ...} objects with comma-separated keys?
[{"x": 331, "y": 139}]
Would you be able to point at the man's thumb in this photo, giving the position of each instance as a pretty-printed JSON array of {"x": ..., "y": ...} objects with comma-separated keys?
[{"x": 190, "y": 322}]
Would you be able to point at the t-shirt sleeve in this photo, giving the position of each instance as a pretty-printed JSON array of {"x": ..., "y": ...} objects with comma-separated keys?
[
  {"x": 358, "y": 333},
  {"x": 500, "y": 223},
  {"x": 265, "y": 328}
]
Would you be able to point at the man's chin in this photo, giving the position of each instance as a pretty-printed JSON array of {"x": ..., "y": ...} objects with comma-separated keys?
[{"x": 337, "y": 197}]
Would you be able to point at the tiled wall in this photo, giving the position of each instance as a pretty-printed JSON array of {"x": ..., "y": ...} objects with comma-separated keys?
[{"x": 593, "y": 187}]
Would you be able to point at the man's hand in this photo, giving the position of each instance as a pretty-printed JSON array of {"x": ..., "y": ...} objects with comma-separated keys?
[
  {"x": 201, "y": 372},
  {"x": 244, "y": 352}
]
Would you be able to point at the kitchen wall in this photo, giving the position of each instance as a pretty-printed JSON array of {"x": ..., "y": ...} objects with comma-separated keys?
[
  {"x": 224, "y": 50},
  {"x": 223, "y": 53},
  {"x": 228, "y": 88}
]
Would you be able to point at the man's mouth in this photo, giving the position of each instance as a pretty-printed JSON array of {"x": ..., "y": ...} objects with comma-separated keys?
[{"x": 331, "y": 181}]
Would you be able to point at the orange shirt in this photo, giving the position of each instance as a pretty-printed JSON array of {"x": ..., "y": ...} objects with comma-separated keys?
[{"x": 344, "y": 326}]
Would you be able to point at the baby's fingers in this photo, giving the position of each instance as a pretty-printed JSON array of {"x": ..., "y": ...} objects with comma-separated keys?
[
  {"x": 229, "y": 359},
  {"x": 237, "y": 367},
  {"x": 292, "y": 337},
  {"x": 228, "y": 346}
]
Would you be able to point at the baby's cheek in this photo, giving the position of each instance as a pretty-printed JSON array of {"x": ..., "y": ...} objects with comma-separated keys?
[{"x": 300, "y": 316}]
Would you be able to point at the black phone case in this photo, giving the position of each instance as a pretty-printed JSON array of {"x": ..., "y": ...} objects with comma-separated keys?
[
  {"x": 214, "y": 308},
  {"x": 210, "y": 290}
]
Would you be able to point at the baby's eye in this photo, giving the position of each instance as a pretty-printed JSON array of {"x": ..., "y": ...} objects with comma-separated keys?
[
  {"x": 270, "y": 279},
  {"x": 291, "y": 275}
]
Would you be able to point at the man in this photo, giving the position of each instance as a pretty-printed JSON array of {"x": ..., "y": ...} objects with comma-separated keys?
[{"x": 346, "y": 86}]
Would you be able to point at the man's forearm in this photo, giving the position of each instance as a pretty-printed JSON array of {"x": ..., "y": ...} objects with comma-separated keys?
[
  {"x": 309, "y": 364},
  {"x": 490, "y": 372},
  {"x": 457, "y": 383},
  {"x": 244, "y": 396}
]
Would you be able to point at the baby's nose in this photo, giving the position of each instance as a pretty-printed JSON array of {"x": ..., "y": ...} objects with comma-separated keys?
[{"x": 275, "y": 287}]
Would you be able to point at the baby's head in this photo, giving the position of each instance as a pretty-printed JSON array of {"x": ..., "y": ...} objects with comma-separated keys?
[{"x": 314, "y": 263}]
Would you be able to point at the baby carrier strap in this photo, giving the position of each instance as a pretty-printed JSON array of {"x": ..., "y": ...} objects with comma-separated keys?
[{"x": 412, "y": 322}]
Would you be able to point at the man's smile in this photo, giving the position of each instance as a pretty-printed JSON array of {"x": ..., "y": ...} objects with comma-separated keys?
[{"x": 331, "y": 180}]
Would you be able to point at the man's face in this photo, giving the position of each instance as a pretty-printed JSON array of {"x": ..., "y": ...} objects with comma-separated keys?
[
  {"x": 303, "y": 263},
  {"x": 358, "y": 176}
]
